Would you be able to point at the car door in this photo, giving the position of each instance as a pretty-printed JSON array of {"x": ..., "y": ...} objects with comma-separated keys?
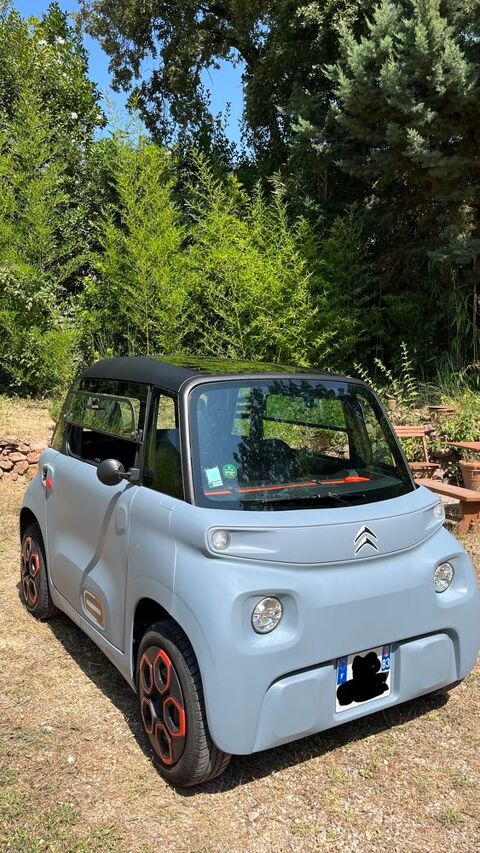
[{"x": 88, "y": 522}]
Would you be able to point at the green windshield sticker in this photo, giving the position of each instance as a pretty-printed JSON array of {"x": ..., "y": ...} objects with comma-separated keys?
[{"x": 229, "y": 471}]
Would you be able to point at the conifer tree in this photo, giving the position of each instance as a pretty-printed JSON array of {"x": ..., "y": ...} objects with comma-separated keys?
[
  {"x": 404, "y": 126},
  {"x": 48, "y": 112},
  {"x": 37, "y": 255},
  {"x": 258, "y": 280},
  {"x": 136, "y": 302}
]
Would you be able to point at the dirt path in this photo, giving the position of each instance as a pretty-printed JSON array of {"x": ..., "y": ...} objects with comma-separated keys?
[{"x": 74, "y": 777}]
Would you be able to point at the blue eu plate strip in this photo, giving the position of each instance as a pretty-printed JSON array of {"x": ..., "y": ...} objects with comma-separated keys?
[
  {"x": 386, "y": 658},
  {"x": 342, "y": 670}
]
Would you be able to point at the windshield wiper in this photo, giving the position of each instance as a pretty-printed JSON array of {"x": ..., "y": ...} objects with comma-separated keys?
[
  {"x": 342, "y": 499},
  {"x": 331, "y": 498}
]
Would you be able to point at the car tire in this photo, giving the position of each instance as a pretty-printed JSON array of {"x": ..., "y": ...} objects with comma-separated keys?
[
  {"x": 35, "y": 592},
  {"x": 172, "y": 708}
]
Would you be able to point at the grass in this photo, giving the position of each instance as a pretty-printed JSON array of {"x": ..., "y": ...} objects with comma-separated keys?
[
  {"x": 74, "y": 776},
  {"x": 27, "y": 419}
]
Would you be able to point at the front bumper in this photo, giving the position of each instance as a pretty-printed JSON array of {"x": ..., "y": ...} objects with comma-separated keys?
[
  {"x": 262, "y": 691},
  {"x": 304, "y": 703}
]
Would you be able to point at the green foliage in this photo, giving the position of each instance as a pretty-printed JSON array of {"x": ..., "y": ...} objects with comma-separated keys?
[
  {"x": 400, "y": 386},
  {"x": 464, "y": 425},
  {"x": 249, "y": 275},
  {"x": 402, "y": 125},
  {"x": 229, "y": 275},
  {"x": 35, "y": 255},
  {"x": 367, "y": 235},
  {"x": 46, "y": 234},
  {"x": 282, "y": 46},
  {"x": 370, "y": 102},
  {"x": 137, "y": 300}
]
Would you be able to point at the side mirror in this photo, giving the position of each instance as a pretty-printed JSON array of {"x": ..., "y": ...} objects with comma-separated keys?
[{"x": 111, "y": 472}]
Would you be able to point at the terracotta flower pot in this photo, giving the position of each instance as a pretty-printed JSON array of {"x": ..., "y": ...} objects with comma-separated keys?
[{"x": 471, "y": 474}]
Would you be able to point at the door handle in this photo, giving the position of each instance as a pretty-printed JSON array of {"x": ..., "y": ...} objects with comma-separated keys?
[{"x": 47, "y": 479}]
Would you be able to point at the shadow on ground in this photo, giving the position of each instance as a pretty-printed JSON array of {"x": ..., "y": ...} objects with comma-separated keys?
[{"x": 242, "y": 769}]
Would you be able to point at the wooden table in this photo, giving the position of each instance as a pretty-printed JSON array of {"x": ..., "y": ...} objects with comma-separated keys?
[{"x": 473, "y": 446}]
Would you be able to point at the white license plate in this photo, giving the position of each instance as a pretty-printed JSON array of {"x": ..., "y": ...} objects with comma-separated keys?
[{"x": 363, "y": 677}]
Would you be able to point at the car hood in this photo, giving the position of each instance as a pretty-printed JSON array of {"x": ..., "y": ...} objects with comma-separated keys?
[{"x": 315, "y": 536}]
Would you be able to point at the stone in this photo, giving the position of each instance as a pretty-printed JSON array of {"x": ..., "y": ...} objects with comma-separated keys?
[
  {"x": 6, "y": 464},
  {"x": 24, "y": 448},
  {"x": 1, "y": 473},
  {"x": 17, "y": 457},
  {"x": 14, "y": 477},
  {"x": 21, "y": 467},
  {"x": 9, "y": 439},
  {"x": 33, "y": 457},
  {"x": 39, "y": 445}
]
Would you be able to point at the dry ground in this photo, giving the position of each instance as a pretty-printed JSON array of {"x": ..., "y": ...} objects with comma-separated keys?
[
  {"x": 74, "y": 776},
  {"x": 28, "y": 419}
]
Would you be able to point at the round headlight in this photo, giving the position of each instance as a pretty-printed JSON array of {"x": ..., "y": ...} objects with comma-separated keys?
[
  {"x": 439, "y": 511},
  {"x": 220, "y": 540},
  {"x": 443, "y": 576},
  {"x": 266, "y": 615}
]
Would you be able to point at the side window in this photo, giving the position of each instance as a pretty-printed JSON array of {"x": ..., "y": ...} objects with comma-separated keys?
[
  {"x": 104, "y": 420},
  {"x": 163, "y": 470},
  {"x": 379, "y": 450}
]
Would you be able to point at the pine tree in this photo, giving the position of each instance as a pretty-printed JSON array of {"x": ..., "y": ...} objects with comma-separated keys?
[
  {"x": 136, "y": 303},
  {"x": 36, "y": 255},
  {"x": 48, "y": 113},
  {"x": 404, "y": 126},
  {"x": 259, "y": 282}
]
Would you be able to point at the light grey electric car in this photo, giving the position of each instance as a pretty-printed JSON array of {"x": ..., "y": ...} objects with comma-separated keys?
[{"x": 246, "y": 544}]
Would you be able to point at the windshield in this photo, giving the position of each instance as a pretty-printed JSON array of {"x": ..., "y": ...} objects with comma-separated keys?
[{"x": 290, "y": 444}]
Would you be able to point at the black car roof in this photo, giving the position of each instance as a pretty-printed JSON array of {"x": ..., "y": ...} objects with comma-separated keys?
[{"x": 171, "y": 372}]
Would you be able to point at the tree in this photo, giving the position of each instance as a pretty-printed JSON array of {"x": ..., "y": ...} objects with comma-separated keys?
[
  {"x": 37, "y": 252},
  {"x": 281, "y": 45},
  {"x": 48, "y": 113},
  {"x": 262, "y": 287},
  {"x": 49, "y": 53},
  {"x": 136, "y": 301},
  {"x": 403, "y": 125}
]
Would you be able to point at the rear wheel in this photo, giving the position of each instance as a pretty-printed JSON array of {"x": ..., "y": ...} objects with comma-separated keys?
[
  {"x": 33, "y": 575},
  {"x": 172, "y": 708}
]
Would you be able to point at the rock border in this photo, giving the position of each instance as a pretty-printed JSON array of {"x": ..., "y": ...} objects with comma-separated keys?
[{"x": 19, "y": 458}]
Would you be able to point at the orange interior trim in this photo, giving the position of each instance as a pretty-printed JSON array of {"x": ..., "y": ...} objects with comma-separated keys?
[{"x": 250, "y": 489}]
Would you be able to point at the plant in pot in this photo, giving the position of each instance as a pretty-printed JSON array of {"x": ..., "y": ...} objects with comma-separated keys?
[
  {"x": 465, "y": 426},
  {"x": 470, "y": 468}
]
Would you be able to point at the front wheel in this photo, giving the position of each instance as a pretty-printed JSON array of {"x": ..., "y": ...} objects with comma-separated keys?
[
  {"x": 172, "y": 708},
  {"x": 33, "y": 575}
]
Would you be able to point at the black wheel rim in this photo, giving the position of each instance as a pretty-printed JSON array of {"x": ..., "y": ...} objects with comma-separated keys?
[
  {"x": 162, "y": 705},
  {"x": 30, "y": 569}
]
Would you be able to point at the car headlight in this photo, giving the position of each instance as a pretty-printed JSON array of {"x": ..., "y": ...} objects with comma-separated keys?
[
  {"x": 220, "y": 540},
  {"x": 266, "y": 615},
  {"x": 443, "y": 577}
]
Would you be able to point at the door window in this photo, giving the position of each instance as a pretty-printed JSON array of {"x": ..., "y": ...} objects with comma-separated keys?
[
  {"x": 163, "y": 470},
  {"x": 114, "y": 416},
  {"x": 104, "y": 420}
]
